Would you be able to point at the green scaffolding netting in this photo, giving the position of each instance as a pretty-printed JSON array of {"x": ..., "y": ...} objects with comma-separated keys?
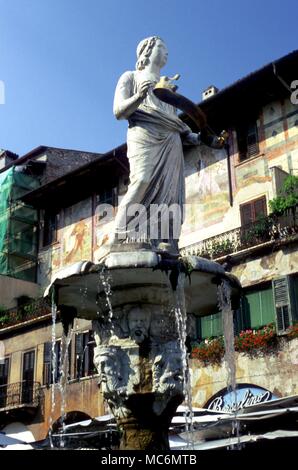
[{"x": 18, "y": 232}]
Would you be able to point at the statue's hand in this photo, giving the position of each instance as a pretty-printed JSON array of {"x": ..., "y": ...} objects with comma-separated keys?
[
  {"x": 190, "y": 138},
  {"x": 144, "y": 88},
  {"x": 223, "y": 138},
  {"x": 212, "y": 140}
]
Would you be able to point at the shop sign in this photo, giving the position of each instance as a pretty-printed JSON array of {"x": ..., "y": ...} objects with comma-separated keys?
[{"x": 244, "y": 396}]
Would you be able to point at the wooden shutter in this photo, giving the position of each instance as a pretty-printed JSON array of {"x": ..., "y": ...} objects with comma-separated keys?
[
  {"x": 248, "y": 140},
  {"x": 252, "y": 140},
  {"x": 28, "y": 376},
  {"x": 258, "y": 308},
  {"x": 282, "y": 303},
  {"x": 253, "y": 210},
  {"x": 47, "y": 358},
  {"x": 79, "y": 353},
  {"x": 259, "y": 207},
  {"x": 211, "y": 325},
  {"x": 206, "y": 327},
  {"x": 246, "y": 212},
  {"x": 4, "y": 369},
  {"x": 90, "y": 353}
]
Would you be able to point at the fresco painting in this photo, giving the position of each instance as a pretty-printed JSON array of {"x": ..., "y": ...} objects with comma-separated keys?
[
  {"x": 103, "y": 228},
  {"x": 77, "y": 233},
  {"x": 207, "y": 196}
]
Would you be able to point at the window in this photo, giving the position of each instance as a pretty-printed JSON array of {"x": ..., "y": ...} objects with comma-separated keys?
[
  {"x": 47, "y": 362},
  {"x": 257, "y": 307},
  {"x": 84, "y": 354},
  {"x": 253, "y": 210},
  {"x": 4, "y": 369},
  {"x": 50, "y": 227},
  {"x": 247, "y": 136},
  {"x": 28, "y": 376},
  {"x": 105, "y": 197}
]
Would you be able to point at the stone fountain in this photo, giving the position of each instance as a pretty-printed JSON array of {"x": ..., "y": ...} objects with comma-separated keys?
[
  {"x": 142, "y": 297},
  {"x": 142, "y": 305}
]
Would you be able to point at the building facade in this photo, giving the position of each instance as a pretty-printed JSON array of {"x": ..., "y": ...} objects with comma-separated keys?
[{"x": 64, "y": 208}]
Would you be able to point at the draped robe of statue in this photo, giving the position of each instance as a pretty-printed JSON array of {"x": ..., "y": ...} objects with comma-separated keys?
[{"x": 155, "y": 154}]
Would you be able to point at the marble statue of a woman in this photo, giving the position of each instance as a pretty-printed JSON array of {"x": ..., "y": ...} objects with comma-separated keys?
[{"x": 152, "y": 208}]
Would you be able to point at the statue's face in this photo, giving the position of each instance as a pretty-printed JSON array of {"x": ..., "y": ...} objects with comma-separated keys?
[
  {"x": 107, "y": 368},
  {"x": 159, "y": 54},
  {"x": 138, "y": 323}
]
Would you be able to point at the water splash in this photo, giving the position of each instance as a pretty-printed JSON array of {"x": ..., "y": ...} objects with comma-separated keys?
[
  {"x": 181, "y": 322},
  {"x": 224, "y": 303}
]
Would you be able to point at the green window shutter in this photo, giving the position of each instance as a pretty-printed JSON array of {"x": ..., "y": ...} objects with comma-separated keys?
[
  {"x": 253, "y": 307},
  {"x": 240, "y": 318},
  {"x": 267, "y": 306},
  {"x": 211, "y": 325},
  {"x": 294, "y": 297},
  {"x": 206, "y": 326},
  {"x": 217, "y": 324},
  {"x": 281, "y": 289},
  {"x": 258, "y": 308}
]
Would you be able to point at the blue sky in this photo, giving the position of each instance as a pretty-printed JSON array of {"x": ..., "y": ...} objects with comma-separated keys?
[{"x": 60, "y": 59}]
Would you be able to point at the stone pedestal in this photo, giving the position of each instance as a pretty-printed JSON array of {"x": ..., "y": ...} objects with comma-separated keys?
[{"x": 140, "y": 359}]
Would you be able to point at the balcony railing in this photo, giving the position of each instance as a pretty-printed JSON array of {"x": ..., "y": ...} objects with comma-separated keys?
[
  {"x": 19, "y": 395},
  {"x": 29, "y": 311},
  {"x": 266, "y": 230}
]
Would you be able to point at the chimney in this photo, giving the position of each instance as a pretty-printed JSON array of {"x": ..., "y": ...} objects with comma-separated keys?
[
  {"x": 210, "y": 91},
  {"x": 6, "y": 157}
]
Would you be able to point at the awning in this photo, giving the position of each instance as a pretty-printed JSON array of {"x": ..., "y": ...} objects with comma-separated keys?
[{"x": 15, "y": 436}]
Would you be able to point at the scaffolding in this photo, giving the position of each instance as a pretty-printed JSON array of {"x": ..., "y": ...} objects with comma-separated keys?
[{"x": 18, "y": 226}]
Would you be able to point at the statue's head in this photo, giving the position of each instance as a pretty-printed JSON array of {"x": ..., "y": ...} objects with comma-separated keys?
[
  {"x": 108, "y": 363},
  {"x": 152, "y": 49},
  {"x": 138, "y": 323}
]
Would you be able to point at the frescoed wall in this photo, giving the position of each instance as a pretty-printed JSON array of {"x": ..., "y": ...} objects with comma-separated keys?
[
  {"x": 74, "y": 241},
  {"x": 279, "y": 263},
  {"x": 208, "y": 211},
  {"x": 255, "y": 171},
  {"x": 207, "y": 193}
]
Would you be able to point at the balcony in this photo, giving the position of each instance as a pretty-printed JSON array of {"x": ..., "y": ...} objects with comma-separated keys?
[
  {"x": 19, "y": 399},
  {"x": 266, "y": 231},
  {"x": 29, "y": 311}
]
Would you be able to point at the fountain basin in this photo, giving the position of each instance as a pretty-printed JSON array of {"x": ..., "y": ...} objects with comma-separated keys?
[{"x": 141, "y": 277}]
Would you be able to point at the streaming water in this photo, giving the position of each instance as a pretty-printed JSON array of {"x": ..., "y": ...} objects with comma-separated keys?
[
  {"x": 224, "y": 302},
  {"x": 181, "y": 322},
  {"x": 63, "y": 379},
  {"x": 53, "y": 363},
  {"x": 105, "y": 281}
]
